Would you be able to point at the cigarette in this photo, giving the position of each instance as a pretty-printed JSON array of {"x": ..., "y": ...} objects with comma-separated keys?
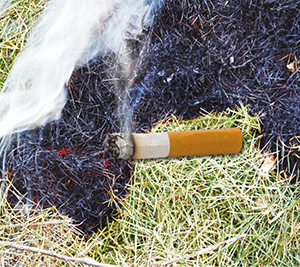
[{"x": 173, "y": 144}]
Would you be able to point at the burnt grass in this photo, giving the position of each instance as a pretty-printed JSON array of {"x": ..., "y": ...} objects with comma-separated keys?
[{"x": 197, "y": 55}]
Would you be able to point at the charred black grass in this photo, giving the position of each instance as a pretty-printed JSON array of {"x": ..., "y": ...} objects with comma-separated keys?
[
  {"x": 215, "y": 54},
  {"x": 197, "y": 55},
  {"x": 63, "y": 163}
]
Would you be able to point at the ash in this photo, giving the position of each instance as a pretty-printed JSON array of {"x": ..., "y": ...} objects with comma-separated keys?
[{"x": 197, "y": 55}]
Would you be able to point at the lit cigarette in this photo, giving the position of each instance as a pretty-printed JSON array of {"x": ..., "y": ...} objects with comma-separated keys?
[{"x": 173, "y": 144}]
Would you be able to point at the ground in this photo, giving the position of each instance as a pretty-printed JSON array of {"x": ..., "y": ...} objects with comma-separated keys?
[{"x": 197, "y": 56}]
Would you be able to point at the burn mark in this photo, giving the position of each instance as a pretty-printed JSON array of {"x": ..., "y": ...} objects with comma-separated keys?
[
  {"x": 198, "y": 55},
  {"x": 119, "y": 146}
]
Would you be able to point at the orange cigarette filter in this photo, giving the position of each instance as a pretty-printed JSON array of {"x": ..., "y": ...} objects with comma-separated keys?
[
  {"x": 205, "y": 142},
  {"x": 173, "y": 144}
]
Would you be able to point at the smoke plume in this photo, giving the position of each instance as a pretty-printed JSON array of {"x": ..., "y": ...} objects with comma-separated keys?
[{"x": 68, "y": 34}]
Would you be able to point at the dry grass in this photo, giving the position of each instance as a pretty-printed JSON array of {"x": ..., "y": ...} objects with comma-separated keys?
[
  {"x": 15, "y": 24},
  {"x": 38, "y": 228},
  {"x": 175, "y": 206},
  {"x": 180, "y": 205}
]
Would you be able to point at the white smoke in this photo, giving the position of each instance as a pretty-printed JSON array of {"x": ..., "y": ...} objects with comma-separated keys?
[
  {"x": 68, "y": 35},
  {"x": 3, "y": 5}
]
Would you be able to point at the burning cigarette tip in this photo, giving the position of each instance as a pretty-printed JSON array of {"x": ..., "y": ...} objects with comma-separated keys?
[
  {"x": 119, "y": 145},
  {"x": 173, "y": 144}
]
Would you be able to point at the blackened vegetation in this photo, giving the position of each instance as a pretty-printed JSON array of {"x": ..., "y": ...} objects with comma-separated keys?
[
  {"x": 63, "y": 163},
  {"x": 215, "y": 54},
  {"x": 197, "y": 55}
]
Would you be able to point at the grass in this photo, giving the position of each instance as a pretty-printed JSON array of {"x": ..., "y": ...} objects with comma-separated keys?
[
  {"x": 175, "y": 206},
  {"x": 43, "y": 229},
  {"x": 178, "y": 206},
  {"x": 15, "y": 25}
]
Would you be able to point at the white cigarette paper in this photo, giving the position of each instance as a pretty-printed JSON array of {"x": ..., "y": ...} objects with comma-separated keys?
[{"x": 173, "y": 144}]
